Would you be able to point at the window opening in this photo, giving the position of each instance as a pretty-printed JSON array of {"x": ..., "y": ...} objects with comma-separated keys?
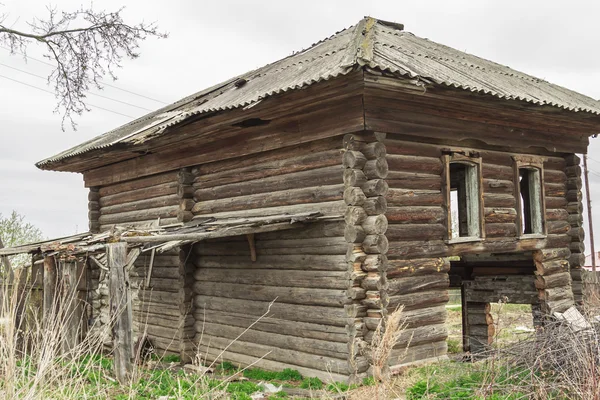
[
  {"x": 464, "y": 201},
  {"x": 530, "y": 189}
]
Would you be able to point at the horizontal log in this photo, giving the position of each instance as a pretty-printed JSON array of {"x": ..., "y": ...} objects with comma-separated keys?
[
  {"x": 305, "y": 262},
  {"x": 401, "y": 197},
  {"x": 330, "y": 316},
  {"x": 139, "y": 216},
  {"x": 163, "y": 189},
  {"x": 555, "y": 189},
  {"x": 558, "y": 227},
  {"x": 415, "y": 215},
  {"x": 404, "y": 268},
  {"x": 556, "y": 214},
  {"x": 500, "y": 215},
  {"x": 414, "y": 180},
  {"x": 292, "y": 295},
  {"x": 151, "y": 203},
  {"x": 555, "y": 202},
  {"x": 498, "y": 186},
  {"x": 401, "y": 357},
  {"x": 274, "y": 340},
  {"x": 420, "y": 335},
  {"x": 314, "y": 154},
  {"x": 326, "y": 208},
  {"x": 292, "y": 357},
  {"x": 552, "y": 281},
  {"x": 272, "y": 325},
  {"x": 434, "y": 248},
  {"x": 496, "y": 200},
  {"x": 401, "y": 232},
  {"x": 270, "y": 277},
  {"x": 424, "y": 299},
  {"x": 331, "y": 175},
  {"x": 417, "y": 284},
  {"x": 407, "y": 148},
  {"x": 138, "y": 183},
  {"x": 271, "y": 199},
  {"x": 215, "y": 356},
  {"x": 500, "y": 230},
  {"x": 551, "y": 266},
  {"x": 500, "y": 172},
  {"x": 551, "y": 254},
  {"x": 424, "y": 165},
  {"x": 309, "y": 231}
]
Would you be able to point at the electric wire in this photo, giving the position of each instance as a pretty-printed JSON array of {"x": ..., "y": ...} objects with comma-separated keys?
[
  {"x": 103, "y": 83},
  {"x": 93, "y": 94},
  {"x": 48, "y": 91}
]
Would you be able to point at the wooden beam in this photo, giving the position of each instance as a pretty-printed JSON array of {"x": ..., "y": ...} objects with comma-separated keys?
[
  {"x": 69, "y": 300},
  {"x": 120, "y": 311},
  {"x": 197, "y": 236},
  {"x": 50, "y": 304}
]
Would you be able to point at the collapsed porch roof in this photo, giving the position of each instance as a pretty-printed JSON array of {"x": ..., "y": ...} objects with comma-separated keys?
[{"x": 167, "y": 237}]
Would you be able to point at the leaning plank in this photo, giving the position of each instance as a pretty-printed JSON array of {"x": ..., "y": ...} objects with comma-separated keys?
[{"x": 120, "y": 306}]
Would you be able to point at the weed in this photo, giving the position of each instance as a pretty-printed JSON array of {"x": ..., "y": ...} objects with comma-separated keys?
[
  {"x": 454, "y": 346},
  {"x": 311, "y": 383}
]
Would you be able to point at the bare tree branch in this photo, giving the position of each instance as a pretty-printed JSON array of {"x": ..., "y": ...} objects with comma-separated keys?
[{"x": 85, "y": 45}]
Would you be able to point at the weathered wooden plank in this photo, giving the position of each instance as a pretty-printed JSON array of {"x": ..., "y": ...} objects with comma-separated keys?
[{"x": 120, "y": 310}]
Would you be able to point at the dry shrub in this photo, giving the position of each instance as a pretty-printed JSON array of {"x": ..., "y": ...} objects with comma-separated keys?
[
  {"x": 560, "y": 362},
  {"x": 378, "y": 353},
  {"x": 35, "y": 360}
]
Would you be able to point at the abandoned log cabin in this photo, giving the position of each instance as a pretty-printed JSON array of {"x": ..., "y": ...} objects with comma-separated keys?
[{"x": 429, "y": 168}]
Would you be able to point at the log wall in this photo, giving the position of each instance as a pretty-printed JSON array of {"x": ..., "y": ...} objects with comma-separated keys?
[
  {"x": 157, "y": 308},
  {"x": 139, "y": 202},
  {"x": 299, "y": 277},
  {"x": 417, "y": 268}
]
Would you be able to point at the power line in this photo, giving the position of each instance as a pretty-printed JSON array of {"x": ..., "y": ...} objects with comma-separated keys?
[
  {"x": 52, "y": 93},
  {"x": 104, "y": 83},
  {"x": 93, "y": 94}
]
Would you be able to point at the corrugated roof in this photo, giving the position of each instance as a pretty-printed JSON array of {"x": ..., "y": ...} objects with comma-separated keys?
[{"x": 378, "y": 44}]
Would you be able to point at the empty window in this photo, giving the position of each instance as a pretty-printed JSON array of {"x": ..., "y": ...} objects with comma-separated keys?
[
  {"x": 531, "y": 206},
  {"x": 464, "y": 219}
]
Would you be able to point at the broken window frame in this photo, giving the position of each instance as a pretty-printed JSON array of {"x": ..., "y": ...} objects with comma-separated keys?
[
  {"x": 535, "y": 163},
  {"x": 473, "y": 160}
]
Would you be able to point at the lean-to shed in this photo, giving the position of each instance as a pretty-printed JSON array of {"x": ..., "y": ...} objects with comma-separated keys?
[{"x": 428, "y": 166}]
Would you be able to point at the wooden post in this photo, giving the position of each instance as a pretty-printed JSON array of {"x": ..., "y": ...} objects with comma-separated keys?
[
  {"x": 50, "y": 303},
  {"x": 589, "y": 212},
  {"x": 120, "y": 310},
  {"x": 69, "y": 303}
]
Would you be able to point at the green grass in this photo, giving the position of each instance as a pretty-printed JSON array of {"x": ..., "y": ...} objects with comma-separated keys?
[
  {"x": 454, "y": 346},
  {"x": 311, "y": 383}
]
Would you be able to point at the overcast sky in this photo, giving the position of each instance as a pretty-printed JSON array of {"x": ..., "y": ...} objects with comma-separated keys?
[{"x": 211, "y": 41}]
